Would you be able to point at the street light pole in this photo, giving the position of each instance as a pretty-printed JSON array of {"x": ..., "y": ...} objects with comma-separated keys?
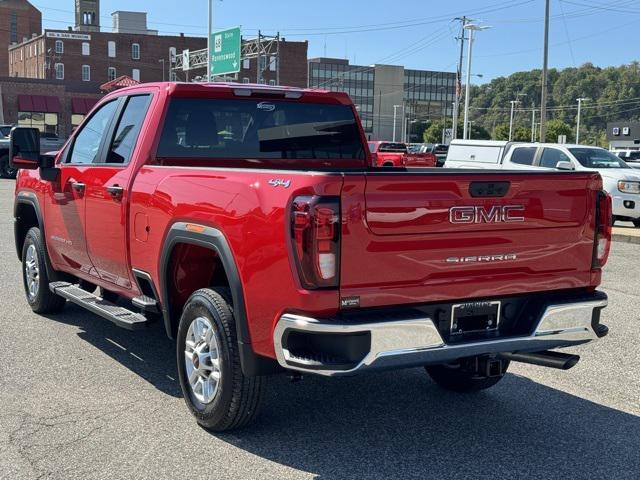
[
  {"x": 513, "y": 104},
  {"x": 545, "y": 76},
  {"x": 580, "y": 100},
  {"x": 456, "y": 104},
  {"x": 533, "y": 124},
  {"x": 210, "y": 27},
  {"x": 394, "y": 121},
  {"x": 467, "y": 96}
]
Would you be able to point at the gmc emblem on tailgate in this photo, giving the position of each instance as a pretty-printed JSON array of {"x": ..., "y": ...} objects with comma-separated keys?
[{"x": 495, "y": 214}]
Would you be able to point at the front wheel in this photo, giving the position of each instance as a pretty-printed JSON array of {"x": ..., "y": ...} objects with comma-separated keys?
[
  {"x": 34, "y": 275},
  {"x": 218, "y": 394},
  {"x": 6, "y": 170},
  {"x": 463, "y": 377}
]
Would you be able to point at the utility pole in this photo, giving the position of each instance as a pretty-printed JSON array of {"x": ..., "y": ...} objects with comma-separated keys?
[
  {"x": 580, "y": 100},
  {"x": 394, "y": 121},
  {"x": 533, "y": 124},
  {"x": 210, "y": 27},
  {"x": 545, "y": 66},
  {"x": 456, "y": 105}
]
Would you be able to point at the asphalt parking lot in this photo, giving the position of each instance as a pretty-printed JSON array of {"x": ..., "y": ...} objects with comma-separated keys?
[{"x": 81, "y": 398}]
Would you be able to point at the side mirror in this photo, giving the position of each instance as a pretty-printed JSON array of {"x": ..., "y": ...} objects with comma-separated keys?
[
  {"x": 565, "y": 166},
  {"x": 24, "y": 150}
]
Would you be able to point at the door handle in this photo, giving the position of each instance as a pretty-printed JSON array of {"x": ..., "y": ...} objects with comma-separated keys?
[
  {"x": 78, "y": 187},
  {"x": 115, "y": 190}
]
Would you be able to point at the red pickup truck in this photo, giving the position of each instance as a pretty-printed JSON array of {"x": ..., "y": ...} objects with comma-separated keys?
[
  {"x": 250, "y": 221},
  {"x": 394, "y": 154}
]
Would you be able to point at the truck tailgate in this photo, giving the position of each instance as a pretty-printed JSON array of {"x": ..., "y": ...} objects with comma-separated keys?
[{"x": 416, "y": 237}]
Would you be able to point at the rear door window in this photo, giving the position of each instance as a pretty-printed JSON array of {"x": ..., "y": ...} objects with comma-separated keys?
[
  {"x": 551, "y": 157},
  {"x": 523, "y": 155},
  {"x": 129, "y": 126},
  {"x": 253, "y": 130}
]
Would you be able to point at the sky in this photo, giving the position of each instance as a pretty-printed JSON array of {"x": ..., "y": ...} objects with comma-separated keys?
[{"x": 415, "y": 33}]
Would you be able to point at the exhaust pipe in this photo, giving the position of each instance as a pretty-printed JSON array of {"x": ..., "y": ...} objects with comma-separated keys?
[{"x": 561, "y": 361}]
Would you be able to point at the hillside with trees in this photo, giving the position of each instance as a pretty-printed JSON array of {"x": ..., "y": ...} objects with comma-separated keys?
[{"x": 613, "y": 93}]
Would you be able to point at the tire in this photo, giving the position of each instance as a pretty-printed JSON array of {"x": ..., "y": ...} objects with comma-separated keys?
[
  {"x": 453, "y": 377},
  {"x": 223, "y": 398},
  {"x": 34, "y": 275},
  {"x": 636, "y": 223},
  {"x": 6, "y": 171}
]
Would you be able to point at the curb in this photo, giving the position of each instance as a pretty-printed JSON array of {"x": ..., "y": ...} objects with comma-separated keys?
[{"x": 617, "y": 237}]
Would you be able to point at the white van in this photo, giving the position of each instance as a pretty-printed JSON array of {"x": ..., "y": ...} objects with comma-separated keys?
[{"x": 619, "y": 179}]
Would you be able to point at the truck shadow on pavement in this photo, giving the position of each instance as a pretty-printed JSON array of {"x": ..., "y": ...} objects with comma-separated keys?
[
  {"x": 400, "y": 424},
  {"x": 148, "y": 353}
]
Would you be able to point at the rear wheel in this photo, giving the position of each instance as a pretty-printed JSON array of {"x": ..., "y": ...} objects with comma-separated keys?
[
  {"x": 216, "y": 391},
  {"x": 465, "y": 377},
  {"x": 6, "y": 170},
  {"x": 34, "y": 275}
]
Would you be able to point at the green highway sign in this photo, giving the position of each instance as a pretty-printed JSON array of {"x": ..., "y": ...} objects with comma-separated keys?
[{"x": 224, "y": 57}]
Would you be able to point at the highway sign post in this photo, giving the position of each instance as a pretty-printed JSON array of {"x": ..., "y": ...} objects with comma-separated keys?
[{"x": 224, "y": 55}]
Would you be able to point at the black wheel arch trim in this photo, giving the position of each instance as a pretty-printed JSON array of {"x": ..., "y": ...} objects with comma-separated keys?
[
  {"x": 30, "y": 199},
  {"x": 214, "y": 239}
]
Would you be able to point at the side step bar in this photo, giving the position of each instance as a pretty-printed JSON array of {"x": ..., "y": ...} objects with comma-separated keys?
[
  {"x": 559, "y": 360},
  {"x": 119, "y": 315}
]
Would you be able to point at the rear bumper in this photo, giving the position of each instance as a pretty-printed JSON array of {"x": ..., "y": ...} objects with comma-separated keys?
[{"x": 413, "y": 339}]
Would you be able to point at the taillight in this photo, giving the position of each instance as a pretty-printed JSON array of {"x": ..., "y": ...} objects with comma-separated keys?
[
  {"x": 315, "y": 231},
  {"x": 603, "y": 230}
]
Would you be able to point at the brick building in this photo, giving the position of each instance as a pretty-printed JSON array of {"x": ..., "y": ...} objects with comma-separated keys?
[
  {"x": 19, "y": 21},
  {"x": 97, "y": 56},
  {"x": 53, "y": 106}
]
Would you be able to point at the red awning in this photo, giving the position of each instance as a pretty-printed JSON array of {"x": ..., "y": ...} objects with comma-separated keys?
[
  {"x": 120, "y": 82},
  {"x": 38, "y": 103},
  {"x": 82, "y": 106}
]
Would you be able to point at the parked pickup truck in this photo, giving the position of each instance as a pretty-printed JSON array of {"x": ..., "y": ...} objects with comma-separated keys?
[
  {"x": 394, "y": 154},
  {"x": 619, "y": 180},
  {"x": 250, "y": 221}
]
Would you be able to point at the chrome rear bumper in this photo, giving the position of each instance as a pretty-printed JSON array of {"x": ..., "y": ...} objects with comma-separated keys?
[{"x": 415, "y": 339}]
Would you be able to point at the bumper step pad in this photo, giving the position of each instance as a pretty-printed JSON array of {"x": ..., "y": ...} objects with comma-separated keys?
[{"x": 121, "y": 316}]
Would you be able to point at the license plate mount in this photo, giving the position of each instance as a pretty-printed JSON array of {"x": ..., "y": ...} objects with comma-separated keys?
[{"x": 475, "y": 317}]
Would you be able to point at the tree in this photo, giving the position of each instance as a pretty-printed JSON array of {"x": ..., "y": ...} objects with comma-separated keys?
[
  {"x": 433, "y": 134},
  {"x": 556, "y": 127},
  {"x": 501, "y": 132}
]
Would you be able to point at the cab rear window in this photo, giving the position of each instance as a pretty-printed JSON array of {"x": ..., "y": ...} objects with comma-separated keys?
[{"x": 253, "y": 129}]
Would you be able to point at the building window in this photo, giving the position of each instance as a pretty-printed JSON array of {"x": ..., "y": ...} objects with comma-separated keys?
[
  {"x": 59, "y": 47},
  {"x": 59, "y": 71},
  {"x": 76, "y": 119},
  {"x": 273, "y": 63},
  {"x": 246, "y": 63},
  {"x": 111, "y": 73},
  {"x": 86, "y": 73},
  {"x": 135, "y": 51},
  {"x": 45, "y": 122},
  {"x": 272, "y": 83},
  {"x": 245, "y": 80},
  {"x": 111, "y": 49},
  {"x": 172, "y": 54},
  {"x": 13, "y": 27},
  {"x": 86, "y": 48},
  {"x": 173, "y": 76},
  {"x": 135, "y": 74}
]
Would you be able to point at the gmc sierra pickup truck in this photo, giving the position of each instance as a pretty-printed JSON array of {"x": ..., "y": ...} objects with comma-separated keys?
[
  {"x": 251, "y": 222},
  {"x": 395, "y": 154}
]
